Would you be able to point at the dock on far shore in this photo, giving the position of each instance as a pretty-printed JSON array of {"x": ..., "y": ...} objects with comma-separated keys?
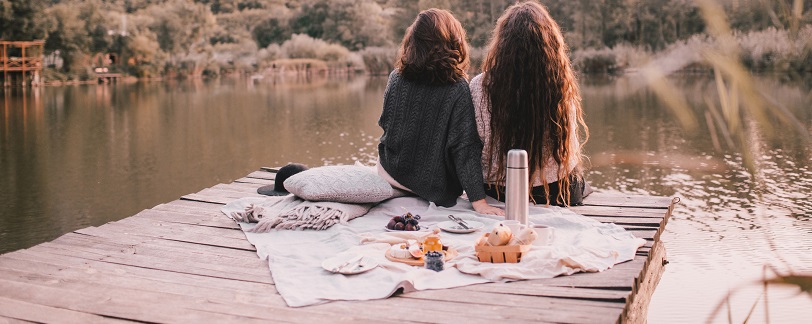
[{"x": 184, "y": 261}]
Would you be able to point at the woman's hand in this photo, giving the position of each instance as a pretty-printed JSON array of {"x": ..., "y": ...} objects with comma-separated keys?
[{"x": 482, "y": 207}]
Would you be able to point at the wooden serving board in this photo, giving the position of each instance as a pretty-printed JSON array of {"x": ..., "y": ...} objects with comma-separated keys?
[{"x": 450, "y": 254}]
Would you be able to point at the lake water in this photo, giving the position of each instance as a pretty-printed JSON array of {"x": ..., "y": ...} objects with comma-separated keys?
[{"x": 78, "y": 156}]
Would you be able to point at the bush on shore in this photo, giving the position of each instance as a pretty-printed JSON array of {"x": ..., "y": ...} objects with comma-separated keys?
[
  {"x": 379, "y": 60},
  {"x": 776, "y": 50},
  {"x": 769, "y": 50}
]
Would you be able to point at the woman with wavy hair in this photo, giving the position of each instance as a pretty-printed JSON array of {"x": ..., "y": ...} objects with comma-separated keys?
[
  {"x": 528, "y": 98},
  {"x": 429, "y": 144}
]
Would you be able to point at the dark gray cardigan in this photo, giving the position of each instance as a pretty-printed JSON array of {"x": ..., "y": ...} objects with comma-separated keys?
[{"x": 430, "y": 142}]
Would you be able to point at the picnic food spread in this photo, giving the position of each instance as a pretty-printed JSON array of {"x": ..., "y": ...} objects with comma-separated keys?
[
  {"x": 416, "y": 253},
  {"x": 598, "y": 245},
  {"x": 406, "y": 222},
  {"x": 501, "y": 245}
]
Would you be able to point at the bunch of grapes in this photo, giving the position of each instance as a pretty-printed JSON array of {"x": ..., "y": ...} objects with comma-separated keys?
[{"x": 407, "y": 222}]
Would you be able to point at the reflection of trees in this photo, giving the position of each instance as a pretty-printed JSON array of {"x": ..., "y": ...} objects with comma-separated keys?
[{"x": 631, "y": 130}]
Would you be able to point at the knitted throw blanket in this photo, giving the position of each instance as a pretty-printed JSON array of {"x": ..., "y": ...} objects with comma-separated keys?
[{"x": 291, "y": 212}]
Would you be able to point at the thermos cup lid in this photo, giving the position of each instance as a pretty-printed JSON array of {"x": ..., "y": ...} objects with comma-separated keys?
[{"x": 517, "y": 159}]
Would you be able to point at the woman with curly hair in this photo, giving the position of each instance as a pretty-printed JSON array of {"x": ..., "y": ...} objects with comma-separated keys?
[
  {"x": 528, "y": 98},
  {"x": 429, "y": 144}
]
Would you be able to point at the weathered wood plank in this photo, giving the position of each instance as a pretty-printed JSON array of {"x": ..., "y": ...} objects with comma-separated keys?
[
  {"x": 175, "y": 246},
  {"x": 262, "y": 175},
  {"x": 141, "y": 272},
  {"x": 208, "y": 199},
  {"x": 24, "y": 311},
  {"x": 638, "y": 308},
  {"x": 196, "y": 205},
  {"x": 197, "y": 250},
  {"x": 160, "y": 251},
  {"x": 219, "y": 221},
  {"x": 228, "y": 193},
  {"x": 637, "y": 221},
  {"x": 611, "y": 211},
  {"x": 106, "y": 302},
  {"x": 152, "y": 262},
  {"x": 239, "y": 268},
  {"x": 626, "y": 200},
  {"x": 179, "y": 207},
  {"x": 267, "y": 298},
  {"x": 532, "y": 288},
  {"x": 263, "y": 182},
  {"x": 178, "y": 234},
  {"x": 479, "y": 311},
  {"x": 238, "y": 187},
  {"x": 415, "y": 310},
  {"x": 9, "y": 320},
  {"x": 146, "y": 262},
  {"x": 605, "y": 309},
  {"x": 149, "y": 224}
]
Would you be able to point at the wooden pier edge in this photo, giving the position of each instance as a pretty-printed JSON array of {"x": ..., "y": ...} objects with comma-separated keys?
[
  {"x": 636, "y": 310},
  {"x": 184, "y": 261}
]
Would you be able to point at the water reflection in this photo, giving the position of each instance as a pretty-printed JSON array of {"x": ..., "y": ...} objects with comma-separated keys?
[
  {"x": 79, "y": 156},
  {"x": 729, "y": 224}
]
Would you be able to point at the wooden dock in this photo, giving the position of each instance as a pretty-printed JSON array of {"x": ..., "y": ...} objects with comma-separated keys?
[{"x": 184, "y": 261}]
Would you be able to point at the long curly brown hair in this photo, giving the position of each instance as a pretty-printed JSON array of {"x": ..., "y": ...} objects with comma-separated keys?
[
  {"x": 534, "y": 96},
  {"x": 434, "y": 49}
]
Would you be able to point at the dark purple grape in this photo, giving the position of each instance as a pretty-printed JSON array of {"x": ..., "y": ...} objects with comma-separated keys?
[
  {"x": 399, "y": 226},
  {"x": 398, "y": 219},
  {"x": 391, "y": 224},
  {"x": 411, "y": 222},
  {"x": 409, "y": 227}
]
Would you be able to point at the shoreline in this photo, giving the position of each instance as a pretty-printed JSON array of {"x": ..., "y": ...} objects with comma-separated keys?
[{"x": 692, "y": 70}]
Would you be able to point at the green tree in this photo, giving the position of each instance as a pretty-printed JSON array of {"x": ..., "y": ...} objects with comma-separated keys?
[
  {"x": 354, "y": 24},
  {"x": 67, "y": 35},
  {"x": 271, "y": 31},
  {"x": 181, "y": 26},
  {"x": 310, "y": 17},
  {"x": 23, "y": 19},
  {"x": 403, "y": 13},
  {"x": 97, "y": 26}
]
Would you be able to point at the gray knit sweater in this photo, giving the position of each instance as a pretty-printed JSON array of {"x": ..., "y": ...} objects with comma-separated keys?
[{"x": 430, "y": 142}]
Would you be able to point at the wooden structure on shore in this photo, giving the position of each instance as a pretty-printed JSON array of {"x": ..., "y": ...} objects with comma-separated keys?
[
  {"x": 29, "y": 60},
  {"x": 308, "y": 67},
  {"x": 184, "y": 261}
]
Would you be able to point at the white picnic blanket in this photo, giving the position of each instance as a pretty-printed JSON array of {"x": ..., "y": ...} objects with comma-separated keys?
[{"x": 295, "y": 256}]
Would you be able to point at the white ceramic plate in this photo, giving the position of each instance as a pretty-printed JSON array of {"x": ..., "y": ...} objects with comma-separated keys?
[
  {"x": 364, "y": 265},
  {"x": 453, "y": 227}
]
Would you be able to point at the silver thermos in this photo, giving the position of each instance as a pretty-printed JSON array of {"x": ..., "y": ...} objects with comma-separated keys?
[{"x": 516, "y": 196}]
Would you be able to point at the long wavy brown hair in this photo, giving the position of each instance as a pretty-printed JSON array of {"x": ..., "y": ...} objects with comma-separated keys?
[
  {"x": 534, "y": 96},
  {"x": 434, "y": 49}
]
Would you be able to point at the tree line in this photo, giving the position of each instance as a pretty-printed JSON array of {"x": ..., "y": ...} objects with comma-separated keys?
[{"x": 156, "y": 37}]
